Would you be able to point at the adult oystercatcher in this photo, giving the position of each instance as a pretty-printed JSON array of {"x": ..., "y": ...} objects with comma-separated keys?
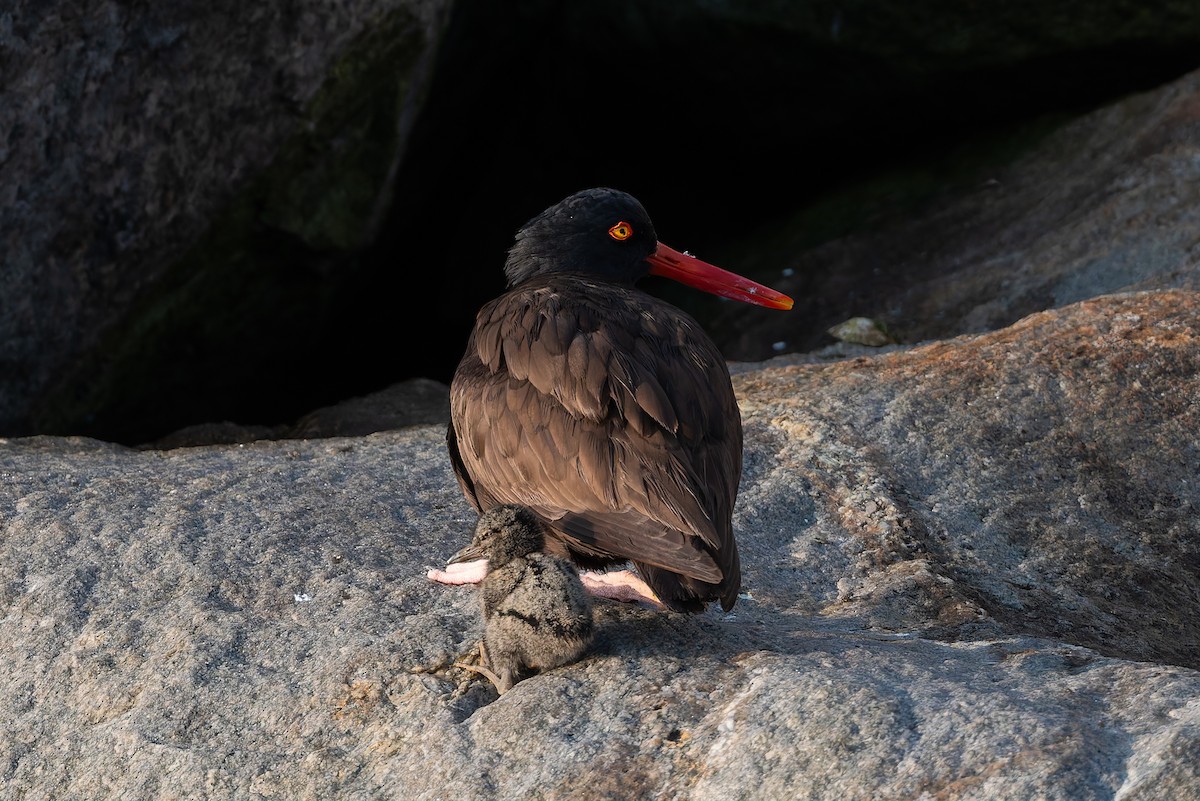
[{"x": 607, "y": 412}]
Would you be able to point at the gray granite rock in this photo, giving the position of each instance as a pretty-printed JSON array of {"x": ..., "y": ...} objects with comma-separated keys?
[
  {"x": 970, "y": 573},
  {"x": 1039, "y": 479},
  {"x": 407, "y": 403},
  {"x": 1107, "y": 203},
  {"x": 209, "y": 209},
  {"x": 138, "y": 146}
]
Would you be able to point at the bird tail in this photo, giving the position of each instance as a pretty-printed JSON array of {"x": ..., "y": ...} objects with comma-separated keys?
[{"x": 686, "y": 594}]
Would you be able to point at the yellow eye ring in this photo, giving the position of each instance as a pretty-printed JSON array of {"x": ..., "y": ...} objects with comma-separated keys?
[{"x": 621, "y": 231}]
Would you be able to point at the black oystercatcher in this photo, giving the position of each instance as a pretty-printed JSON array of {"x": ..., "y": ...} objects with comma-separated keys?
[
  {"x": 607, "y": 412},
  {"x": 536, "y": 613}
]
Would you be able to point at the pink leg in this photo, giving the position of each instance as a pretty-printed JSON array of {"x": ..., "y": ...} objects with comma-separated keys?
[
  {"x": 620, "y": 585},
  {"x": 460, "y": 573},
  {"x": 616, "y": 585}
]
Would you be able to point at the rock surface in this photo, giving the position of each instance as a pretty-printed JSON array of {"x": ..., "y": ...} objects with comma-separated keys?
[
  {"x": 971, "y": 571},
  {"x": 218, "y": 211},
  {"x": 1107, "y": 203},
  {"x": 407, "y": 403},
  {"x": 141, "y": 145},
  {"x": 1041, "y": 479}
]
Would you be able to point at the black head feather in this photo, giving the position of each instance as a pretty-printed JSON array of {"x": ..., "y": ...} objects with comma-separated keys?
[{"x": 573, "y": 236}]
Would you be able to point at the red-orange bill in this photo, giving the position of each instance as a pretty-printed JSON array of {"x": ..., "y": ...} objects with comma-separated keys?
[{"x": 685, "y": 269}]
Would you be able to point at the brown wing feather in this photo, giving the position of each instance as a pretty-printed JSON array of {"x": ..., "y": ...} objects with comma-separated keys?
[{"x": 611, "y": 414}]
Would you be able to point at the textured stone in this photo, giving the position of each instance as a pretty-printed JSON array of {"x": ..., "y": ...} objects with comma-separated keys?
[
  {"x": 970, "y": 572},
  {"x": 140, "y": 145},
  {"x": 1109, "y": 202},
  {"x": 1041, "y": 478},
  {"x": 218, "y": 211}
]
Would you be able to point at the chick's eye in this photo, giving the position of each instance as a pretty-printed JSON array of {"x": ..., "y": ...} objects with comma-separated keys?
[{"x": 621, "y": 231}]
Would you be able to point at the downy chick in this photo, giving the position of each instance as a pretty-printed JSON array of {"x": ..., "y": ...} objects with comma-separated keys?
[{"x": 536, "y": 613}]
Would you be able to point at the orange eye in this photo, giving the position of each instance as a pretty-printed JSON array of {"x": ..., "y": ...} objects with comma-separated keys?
[{"x": 621, "y": 231}]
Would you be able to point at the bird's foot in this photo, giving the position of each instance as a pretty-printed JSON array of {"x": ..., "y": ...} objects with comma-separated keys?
[
  {"x": 496, "y": 681},
  {"x": 620, "y": 585},
  {"x": 460, "y": 573},
  {"x": 480, "y": 666}
]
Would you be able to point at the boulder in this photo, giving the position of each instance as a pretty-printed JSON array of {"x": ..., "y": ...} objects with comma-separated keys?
[
  {"x": 970, "y": 572},
  {"x": 229, "y": 211},
  {"x": 176, "y": 176},
  {"x": 1109, "y": 202}
]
